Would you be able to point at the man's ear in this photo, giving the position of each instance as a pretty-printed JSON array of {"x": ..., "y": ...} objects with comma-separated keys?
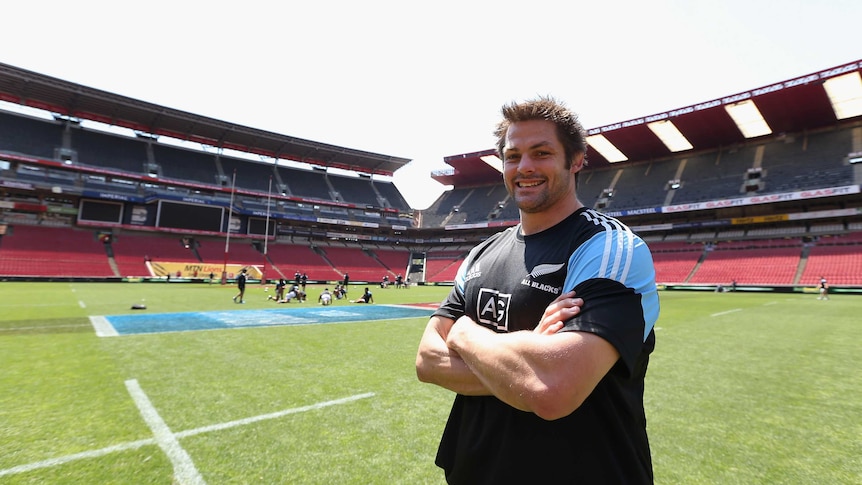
[{"x": 578, "y": 162}]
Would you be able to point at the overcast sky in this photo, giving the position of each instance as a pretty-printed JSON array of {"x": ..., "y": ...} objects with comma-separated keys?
[{"x": 424, "y": 80}]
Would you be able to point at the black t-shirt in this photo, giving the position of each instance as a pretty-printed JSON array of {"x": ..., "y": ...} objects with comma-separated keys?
[{"x": 505, "y": 284}]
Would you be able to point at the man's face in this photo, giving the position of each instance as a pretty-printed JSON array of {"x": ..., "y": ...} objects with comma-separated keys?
[{"x": 534, "y": 166}]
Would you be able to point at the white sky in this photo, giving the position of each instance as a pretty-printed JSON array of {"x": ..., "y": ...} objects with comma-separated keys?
[{"x": 424, "y": 80}]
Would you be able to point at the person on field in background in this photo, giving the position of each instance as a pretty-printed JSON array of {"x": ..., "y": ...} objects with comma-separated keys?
[
  {"x": 366, "y": 297},
  {"x": 240, "y": 284},
  {"x": 824, "y": 289}
]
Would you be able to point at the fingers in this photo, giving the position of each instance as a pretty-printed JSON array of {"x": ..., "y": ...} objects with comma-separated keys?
[{"x": 563, "y": 308}]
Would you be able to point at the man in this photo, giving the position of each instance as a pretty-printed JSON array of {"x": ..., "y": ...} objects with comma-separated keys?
[
  {"x": 824, "y": 289},
  {"x": 549, "y": 386},
  {"x": 279, "y": 290},
  {"x": 325, "y": 297},
  {"x": 366, "y": 297},
  {"x": 294, "y": 292},
  {"x": 240, "y": 284}
]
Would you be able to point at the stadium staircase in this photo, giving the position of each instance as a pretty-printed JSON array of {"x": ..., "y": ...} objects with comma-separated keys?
[
  {"x": 803, "y": 262},
  {"x": 697, "y": 265},
  {"x": 109, "y": 250}
]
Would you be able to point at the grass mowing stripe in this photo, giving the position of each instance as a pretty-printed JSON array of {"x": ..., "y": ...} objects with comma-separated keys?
[
  {"x": 17, "y": 329},
  {"x": 184, "y": 468}
]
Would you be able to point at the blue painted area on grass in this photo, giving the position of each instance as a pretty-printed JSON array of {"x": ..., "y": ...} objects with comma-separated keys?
[{"x": 183, "y": 322}]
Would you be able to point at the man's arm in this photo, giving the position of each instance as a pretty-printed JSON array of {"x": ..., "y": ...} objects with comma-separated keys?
[
  {"x": 548, "y": 374},
  {"x": 437, "y": 364}
]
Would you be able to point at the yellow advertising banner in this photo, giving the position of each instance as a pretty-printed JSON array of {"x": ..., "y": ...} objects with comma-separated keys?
[
  {"x": 163, "y": 269},
  {"x": 760, "y": 219}
]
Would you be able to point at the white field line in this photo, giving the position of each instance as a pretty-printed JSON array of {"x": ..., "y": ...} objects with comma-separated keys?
[
  {"x": 81, "y": 304},
  {"x": 131, "y": 445},
  {"x": 727, "y": 312},
  {"x": 184, "y": 468},
  {"x": 262, "y": 417},
  {"x": 103, "y": 327}
]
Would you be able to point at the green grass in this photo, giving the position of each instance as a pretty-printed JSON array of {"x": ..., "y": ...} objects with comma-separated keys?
[{"x": 767, "y": 393}]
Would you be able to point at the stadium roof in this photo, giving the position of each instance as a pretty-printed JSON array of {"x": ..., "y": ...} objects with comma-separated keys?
[
  {"x": 35, "y": 90},
  {"x": 806, "y": 103}
]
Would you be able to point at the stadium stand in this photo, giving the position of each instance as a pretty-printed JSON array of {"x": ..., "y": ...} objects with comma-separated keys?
[
  {"x": 714, "y": 175},
  {"x": 808, "y": 161},
  {"x": 249, "y": 175},
  {"x": 592, "y": 183},
  {"x": 675, "y": 261},
  {"x": 26, "y": 135},
  {"x": 304, "y": 183},
  {"x": 131, "y": 249},
  {"x": 747, "y": 265},
  {"x": 394, "y": 260},
  {"x": 442, "y": 266},
  {"x": 674, "y": 267},
  {"x": 181, "y": 164},
  {"x": 240, "y": 251},
  {"x": 53, "y": 251},
  {"x": 840, "y": 265},
  {"x": 481, "y": 202},
  {"x": 629, "y": 190},
  {"x": 109, "y": 151},
  {"x": 353, "y": 190},
  {"x": 392, "y": 197},
  {"x": 289, "y": 258},
  {"x": 776, "y": 210},
  {"x": 359, "y": 264}
]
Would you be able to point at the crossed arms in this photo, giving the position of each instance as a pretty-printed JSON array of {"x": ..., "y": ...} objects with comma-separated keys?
[{"x": 543, "y": 371}]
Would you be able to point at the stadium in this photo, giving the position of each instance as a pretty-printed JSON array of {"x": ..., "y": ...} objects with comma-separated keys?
[
  {"x": 770, "y": 201},
  {"x": 106, "y": 201}
]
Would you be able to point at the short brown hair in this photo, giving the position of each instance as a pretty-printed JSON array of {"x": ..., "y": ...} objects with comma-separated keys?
[{"x": 571, "y": 133}]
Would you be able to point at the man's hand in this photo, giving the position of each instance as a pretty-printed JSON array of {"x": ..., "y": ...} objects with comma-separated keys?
[{"x": 566, "y": 306}]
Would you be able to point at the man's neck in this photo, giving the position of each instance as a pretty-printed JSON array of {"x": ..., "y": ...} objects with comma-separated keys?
[{"x": 533, "y": 223}]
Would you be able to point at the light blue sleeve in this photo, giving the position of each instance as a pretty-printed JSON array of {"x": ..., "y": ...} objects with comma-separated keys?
[{"x": 620, "y": 255}]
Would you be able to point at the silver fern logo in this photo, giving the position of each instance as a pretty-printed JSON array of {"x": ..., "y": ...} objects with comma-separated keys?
[{"x": 544, "y": 269}]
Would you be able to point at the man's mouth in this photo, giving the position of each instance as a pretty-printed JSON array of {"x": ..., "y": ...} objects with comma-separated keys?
[{"x": 528, "y": 184}]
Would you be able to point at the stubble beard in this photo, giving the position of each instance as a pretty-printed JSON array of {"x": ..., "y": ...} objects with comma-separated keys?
[{"x": 541, "y": 201}]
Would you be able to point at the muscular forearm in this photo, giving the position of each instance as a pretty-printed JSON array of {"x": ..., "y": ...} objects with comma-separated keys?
[
  {"x": 501, "y": 362},
  {"x": 437, "y": 364},
  {"x": 547, "y": 374}
]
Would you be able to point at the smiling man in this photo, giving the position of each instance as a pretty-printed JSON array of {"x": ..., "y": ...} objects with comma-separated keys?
[{"x": 545, "y": 337}]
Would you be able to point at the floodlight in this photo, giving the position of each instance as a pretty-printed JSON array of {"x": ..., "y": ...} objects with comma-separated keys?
[
  {"x": 845, "y": 94},
  {"x": 748, "y": 119},
  {"x": 670, "y": 135},
  {"x": 606, "y": 148}
]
